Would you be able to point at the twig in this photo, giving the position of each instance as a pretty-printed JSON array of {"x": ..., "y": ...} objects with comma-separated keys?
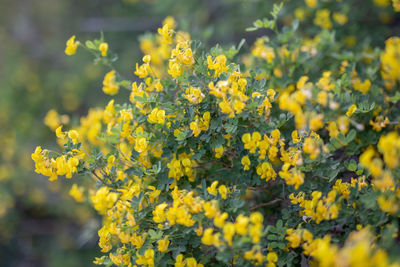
[{"x": 266, "y": 204}]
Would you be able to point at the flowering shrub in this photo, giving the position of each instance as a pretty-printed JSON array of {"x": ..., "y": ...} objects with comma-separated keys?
[{"x": 284, "y": 155}]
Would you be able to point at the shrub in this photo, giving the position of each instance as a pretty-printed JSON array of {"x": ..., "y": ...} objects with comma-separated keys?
[{"x": 286, "y": 154}]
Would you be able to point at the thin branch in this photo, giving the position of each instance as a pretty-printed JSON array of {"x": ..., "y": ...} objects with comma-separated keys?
[{"x": 266, "y": 204}]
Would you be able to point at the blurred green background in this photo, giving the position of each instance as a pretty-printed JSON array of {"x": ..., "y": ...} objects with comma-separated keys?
[{"x": 40, "y": 224}]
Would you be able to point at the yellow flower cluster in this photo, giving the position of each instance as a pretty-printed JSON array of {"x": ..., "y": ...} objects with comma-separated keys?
[
  {"x": 181, "y": 58},
  {"x": 223, "y": 191},
  {"x": 143, "y": 70},
  {"x": 243, "y": 226},
  {"x": 322, "y": 19},
  {"x": 52, "y": 167},
  {"x": 231, "y": 94},
  {"x": 103, "y": 199},
  {"x": 359, "y": 251},
  {"x": 156, "y": 116},
  {"x": 390, "y": 59},
  {"x": 388, "y": 145},
  {"x": 180, "y": 261},
  {"x": 181, "y": 166},
  {"x": 110, "y": 86},
  {"x": 166, "y": 160},
  {"x": 311, "y": 145},
  {"x": 200, "y": 124},
  {"x": 382, "y": 170},
  {"x": 262, "y": 51},
  {"x": 193, "y": 95},
  {"x": 318, "y": 208},
  {"x": 218, "y": 64},
  {"x": 268, "y": 146},
  {"x": 184, "y": 205}
]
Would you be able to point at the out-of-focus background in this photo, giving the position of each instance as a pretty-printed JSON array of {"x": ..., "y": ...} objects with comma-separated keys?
[{"x": 40, "y": 223}]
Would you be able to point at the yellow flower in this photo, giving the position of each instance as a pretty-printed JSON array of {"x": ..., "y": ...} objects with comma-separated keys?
[
  {"x": 157, "y": 116},
  {"x": 142, "y": 71},
  {"x": 219, "y": 220},
  {"x": 193, "y": 95},
  {"x": 166, "y": 33},
  {"x": 210, "y": 209},
  {"x": 174, "y": 69},
  {"x": 218, "y": 65},
  {"x": 146, "y": 59},
  {"x": 179, "y": 262},
  {"x": 351, "y": 110},
  {"x": 226, "y": 108},
  {"x": 73, "y": 135},
  {"x": 159, "y": 215},
  {"x": 103, "y": 49},
  {"x": 191, "y": 262},
  {"x": 294, "y": 238},
  {"x": 147, "y": 259},
  {"x": 141, "y": 144},
  {"x": 229, "y": 232},
  {"x": 246, "y": 163},
  {"x": 207, "y": 238},
  {"x": 396, "y": 5},
  {"x": 163, "y": 245},
  {"x": 266, "y": 171},
  {"x": 256, "y": 218},
  {"x": 223, "y": 191},
  {"x": 110, "y": 86},
  {"x": 340, "y": 18},
  {"x": 103, "y": 199},
  {"x": 77, "y": 193},
  {"x": 382, "y": 3},
  {"x": 295, "y": 137},
  {"x": 363, "y": 87},
  {"x": 322, "y": 19},
  {"x": 72, "y": 45},
  {"x": 59, "y": 133},
  {"x": 312, "y": 3},
  {"x": 219, "y": 151},
  {"x": 251, "y": 142},
  {"x": 241, "y": 224},
  {"x": 262, "y": 51},
  {"x": 300, "y": 13},
  {"x": 212, "y": 190},
  {"x": 272, "y": 257},
  {"x": 388, "y": 205},
  {"x": 99, "y": 261},
  {"x": 317, "y": 122},
  {"x": 195, "y": 128},
  {"x": 52, "y": 119}
]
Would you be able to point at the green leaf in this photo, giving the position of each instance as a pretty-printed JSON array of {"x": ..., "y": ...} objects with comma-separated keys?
[
  {"x": 336, "y": 143},
  {"x": 258, "y": 23},
  {"x": 90, "y": 45},
  {"x": 395, "y": 98},
  {"x": 351, "y": 135},
  {"x": 273, "y": 245},
  {"x": 241, "y": 43},
  {"x": 352, "y": 167},
  {"x": 181, "y": 136},
  {"x": 251, "y": 29}
]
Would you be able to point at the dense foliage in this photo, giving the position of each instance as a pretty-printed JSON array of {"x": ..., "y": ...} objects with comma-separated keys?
[{"x": 285, "y": 153}]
